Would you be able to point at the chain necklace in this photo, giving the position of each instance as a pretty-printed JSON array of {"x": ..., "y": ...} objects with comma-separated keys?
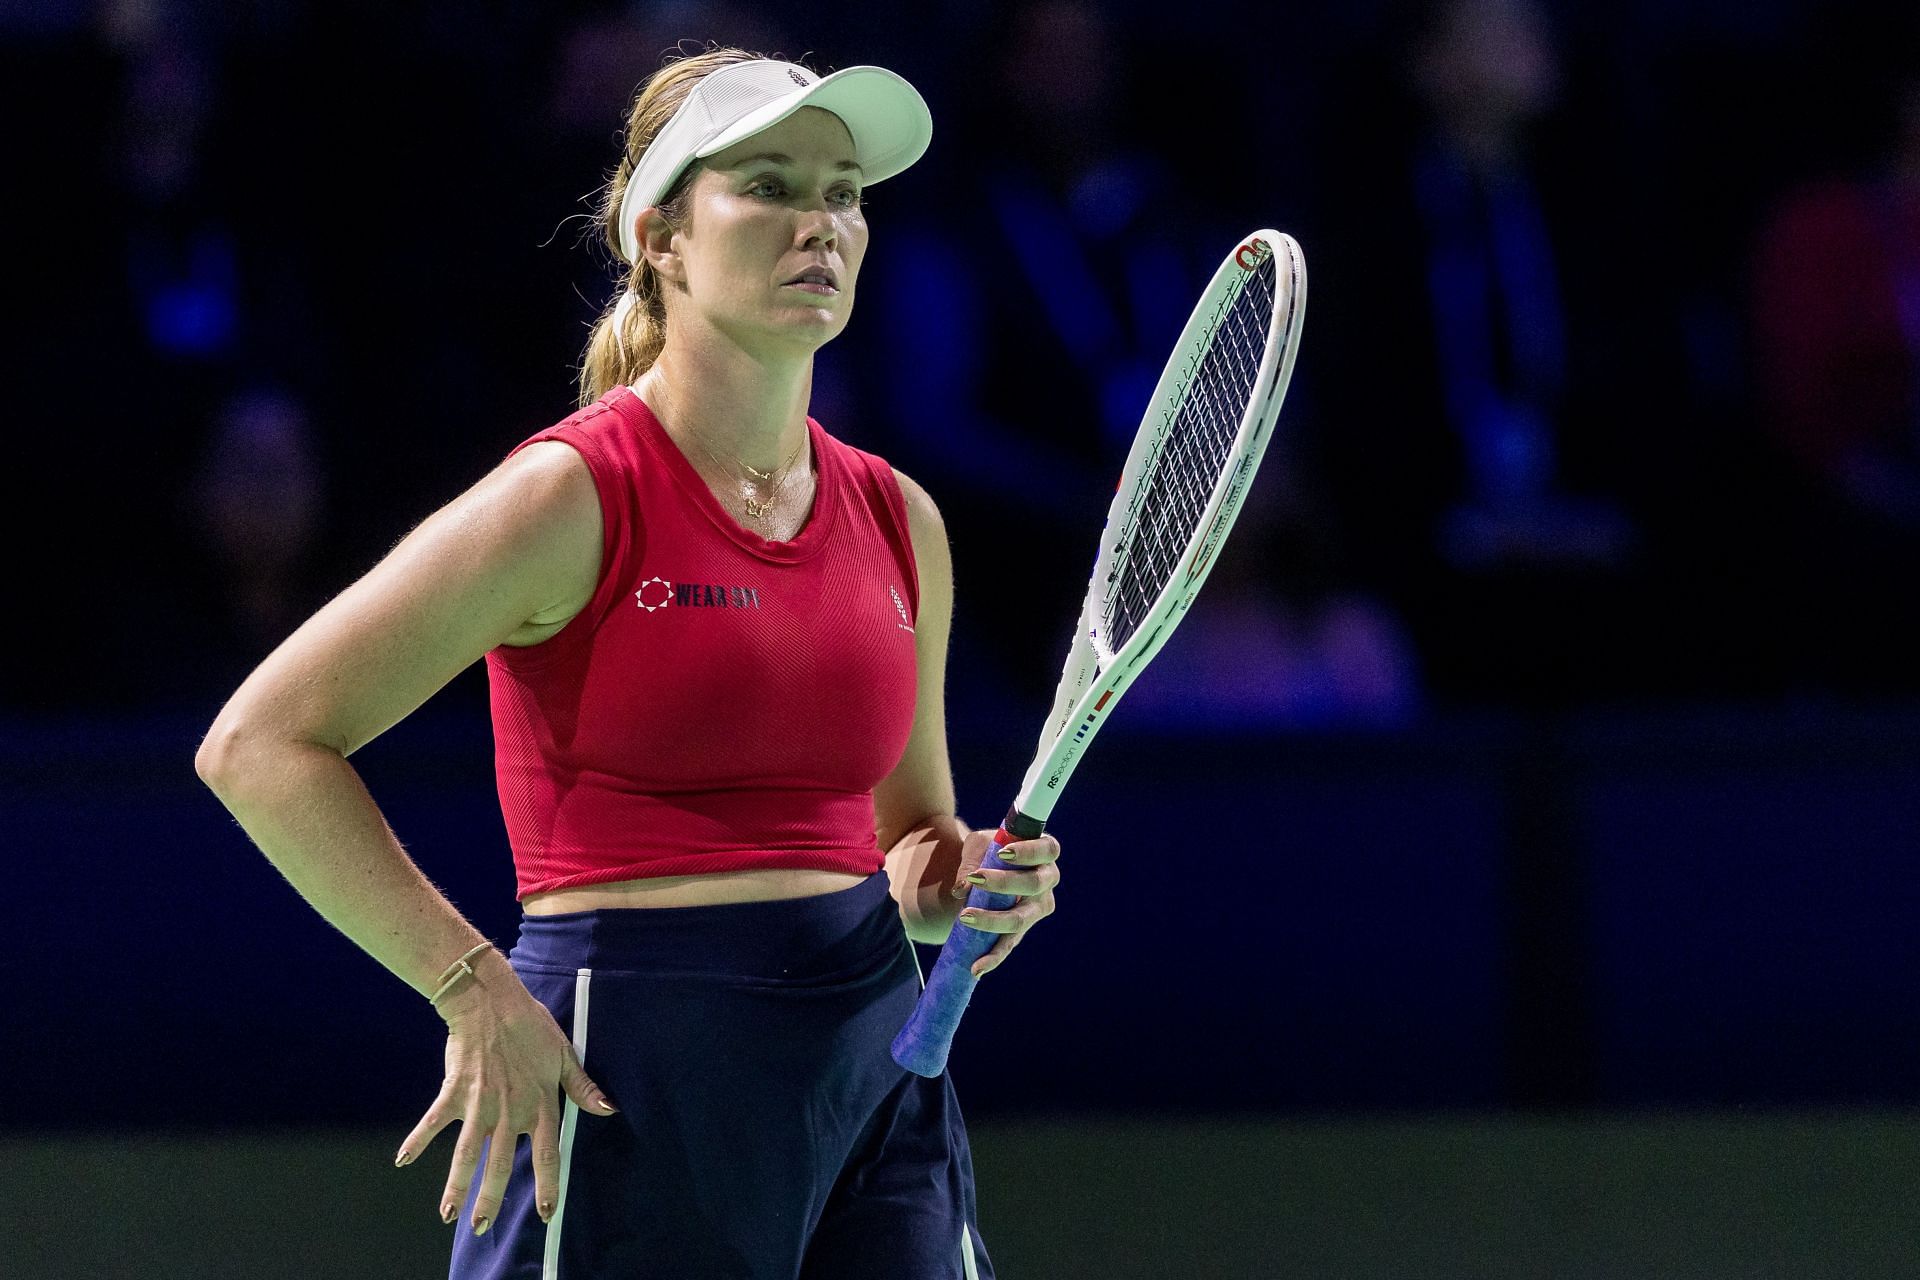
[{"x": 761, "y": 510}]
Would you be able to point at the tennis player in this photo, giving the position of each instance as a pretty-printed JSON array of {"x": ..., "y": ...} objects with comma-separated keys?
[{"x": 715, "y": 640}]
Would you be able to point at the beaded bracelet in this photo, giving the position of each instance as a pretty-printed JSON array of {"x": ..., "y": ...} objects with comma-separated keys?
[{"x": 466, "y": 970}]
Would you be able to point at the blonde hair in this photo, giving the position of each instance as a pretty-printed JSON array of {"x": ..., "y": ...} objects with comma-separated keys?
[{"x": 616, "y": 358}]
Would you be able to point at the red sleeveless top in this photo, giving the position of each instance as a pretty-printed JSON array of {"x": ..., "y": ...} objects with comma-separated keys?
[{"x": 725, "y": 701}]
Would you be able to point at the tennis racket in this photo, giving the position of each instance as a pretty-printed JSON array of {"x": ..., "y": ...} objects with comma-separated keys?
[{"x": 1195, "y": 453}]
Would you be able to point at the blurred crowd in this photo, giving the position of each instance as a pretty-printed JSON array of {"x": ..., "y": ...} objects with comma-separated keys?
[{"x": 1609, "y": 388}]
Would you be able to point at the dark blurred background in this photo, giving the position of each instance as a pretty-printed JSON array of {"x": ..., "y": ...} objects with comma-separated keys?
[{"x": 1517, "y": 838}]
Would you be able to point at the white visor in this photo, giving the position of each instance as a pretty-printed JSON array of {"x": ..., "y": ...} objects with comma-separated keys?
[{"x": 886, "y": 116}]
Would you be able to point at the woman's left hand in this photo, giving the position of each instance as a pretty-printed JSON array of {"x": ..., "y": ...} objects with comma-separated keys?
[{"x": 1032, "y": 875}]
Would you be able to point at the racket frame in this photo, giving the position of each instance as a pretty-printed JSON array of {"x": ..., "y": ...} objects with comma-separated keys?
[{"x": 1095, "y": 676}]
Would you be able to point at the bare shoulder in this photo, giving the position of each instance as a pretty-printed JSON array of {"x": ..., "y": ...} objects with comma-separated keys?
[
  {"x": 551, "y": 475},
  {"x": 923, "y": 517},
  {"x": 556, "y": 469},
  {"x": 520, "y": 544},
  {"x": 932, "y": 556}
]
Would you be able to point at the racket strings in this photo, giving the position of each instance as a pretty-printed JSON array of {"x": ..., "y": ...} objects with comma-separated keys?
[{"x": 1184, "y": 475}]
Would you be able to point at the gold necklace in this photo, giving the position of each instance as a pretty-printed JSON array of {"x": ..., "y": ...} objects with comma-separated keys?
[{"x": 761, "y": 510}]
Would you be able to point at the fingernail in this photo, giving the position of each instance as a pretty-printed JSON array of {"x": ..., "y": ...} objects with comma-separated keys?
[
  {"x": 402, "y": 1160},
  {"x": 976, "y": 878},
  {"x": 969, "y": 917},
  {"x": 447, "y": 1212},
  {"x": 546, "y": 1210},
  {"x": 481, "y": 1228},
  {"x": 604, "y": 1105}
]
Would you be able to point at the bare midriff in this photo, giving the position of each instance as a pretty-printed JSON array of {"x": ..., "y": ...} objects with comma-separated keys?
[{"x": 759, "y": 884}]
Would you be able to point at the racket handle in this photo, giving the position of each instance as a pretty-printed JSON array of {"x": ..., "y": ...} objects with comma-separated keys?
[{"x": 922, "y": 1045}]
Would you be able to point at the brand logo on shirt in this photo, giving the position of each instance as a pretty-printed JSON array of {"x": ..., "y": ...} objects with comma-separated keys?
[
  {"x": 654, "y": 593},
  {"x": 657, "y": 593},
  {"x": 904, "y": 624}
]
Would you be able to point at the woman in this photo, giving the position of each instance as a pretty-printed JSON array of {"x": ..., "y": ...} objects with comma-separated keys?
[{"x": 715, "y": 639}]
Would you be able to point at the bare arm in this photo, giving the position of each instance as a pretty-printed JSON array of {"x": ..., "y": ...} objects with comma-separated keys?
[
  {"x": 929, "y": 848},
  {"x": 518, "y": 542},
  {"x": 914, "y": 805},
  {"x": 522, "y": 545},
  {"x": 310, "y": 813}
]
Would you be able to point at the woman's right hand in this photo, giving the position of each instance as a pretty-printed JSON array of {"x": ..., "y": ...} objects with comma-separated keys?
[{"x": 504, "y": 1054}]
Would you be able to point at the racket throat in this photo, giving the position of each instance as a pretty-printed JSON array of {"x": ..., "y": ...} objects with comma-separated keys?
[{"x": 1021, "y": 827}]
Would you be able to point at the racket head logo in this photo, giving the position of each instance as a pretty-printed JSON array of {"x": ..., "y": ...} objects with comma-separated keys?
[{"x": 1250, "y": 255}]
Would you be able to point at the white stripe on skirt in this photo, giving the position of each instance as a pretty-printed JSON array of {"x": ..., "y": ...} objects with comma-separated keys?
[
  {"x": 915, "y": 953},
  {"x": 550, "y": 1265}
]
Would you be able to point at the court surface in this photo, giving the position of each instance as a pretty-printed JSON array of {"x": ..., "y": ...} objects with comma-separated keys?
[{"x": 1702, "y": 1195}]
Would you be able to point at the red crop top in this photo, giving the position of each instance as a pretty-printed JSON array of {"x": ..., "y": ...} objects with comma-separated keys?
[{"x": 724, "y": 701}]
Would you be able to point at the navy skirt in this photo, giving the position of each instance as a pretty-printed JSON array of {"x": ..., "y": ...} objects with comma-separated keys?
[{"x": 764, "y": 1131}]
